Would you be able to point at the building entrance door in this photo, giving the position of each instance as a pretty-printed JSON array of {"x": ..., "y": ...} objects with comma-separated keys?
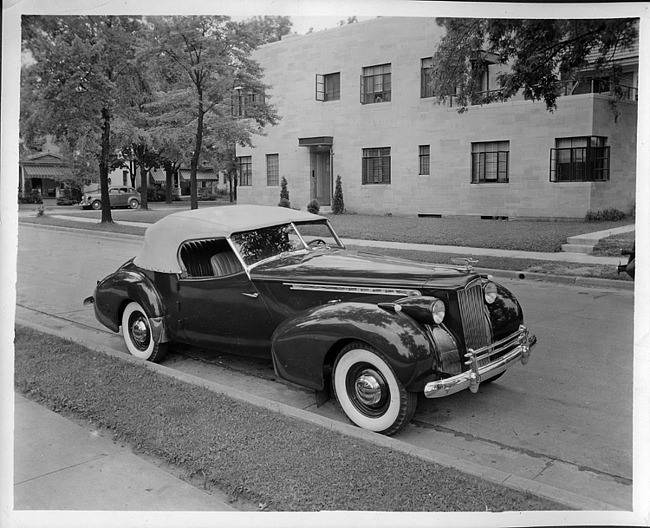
[{"x": 322, "y": 175}]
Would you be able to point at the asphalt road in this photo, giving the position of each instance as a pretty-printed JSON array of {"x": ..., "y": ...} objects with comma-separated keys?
[{"x": 568, "y": 412}]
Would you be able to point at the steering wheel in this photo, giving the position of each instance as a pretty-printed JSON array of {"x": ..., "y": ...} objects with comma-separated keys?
[{"x": 317, "y": 241}]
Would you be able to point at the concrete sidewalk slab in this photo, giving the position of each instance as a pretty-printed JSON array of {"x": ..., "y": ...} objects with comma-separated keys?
[{"x": 59, "y": 465}]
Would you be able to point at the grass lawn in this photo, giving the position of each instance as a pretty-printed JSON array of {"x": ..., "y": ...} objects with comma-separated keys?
[
  {"x": 250, "y": 453},
  {"x": 523, "y": 235}
]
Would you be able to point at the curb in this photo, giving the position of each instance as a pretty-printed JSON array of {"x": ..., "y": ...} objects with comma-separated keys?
[
  {"x": 561, "y": 279},
  {"x": 566, "y": 498}
]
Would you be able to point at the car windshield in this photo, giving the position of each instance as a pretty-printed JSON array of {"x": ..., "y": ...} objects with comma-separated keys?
[{"x": 260, "y": 244}]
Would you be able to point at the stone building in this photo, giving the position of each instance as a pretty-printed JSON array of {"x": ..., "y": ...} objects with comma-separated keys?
[{"x": 355, "y": 102}]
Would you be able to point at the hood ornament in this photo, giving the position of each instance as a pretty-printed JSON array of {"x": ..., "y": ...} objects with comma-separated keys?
[{"x": 466, "y": 262}]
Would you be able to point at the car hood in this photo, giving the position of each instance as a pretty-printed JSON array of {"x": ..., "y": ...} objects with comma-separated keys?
[{"x": 348, "y": 267}]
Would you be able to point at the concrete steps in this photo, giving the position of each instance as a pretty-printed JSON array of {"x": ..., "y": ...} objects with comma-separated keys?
[{"x": 585, "y": 243}]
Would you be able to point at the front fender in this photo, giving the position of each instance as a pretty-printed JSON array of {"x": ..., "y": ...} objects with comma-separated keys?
[
  {"x": 505, "y": 312},
  {"x": 300, "y": 345},
  {"x": 124, "y": 285}
]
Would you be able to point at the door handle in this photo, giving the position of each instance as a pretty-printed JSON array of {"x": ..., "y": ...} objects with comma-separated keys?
[{"x": 253, "y": 295}]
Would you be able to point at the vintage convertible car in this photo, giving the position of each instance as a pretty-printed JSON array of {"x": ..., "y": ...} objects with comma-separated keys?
[{"x": 276, "y": 282}]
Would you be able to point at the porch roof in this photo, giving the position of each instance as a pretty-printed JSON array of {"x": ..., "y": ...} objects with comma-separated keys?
[
  {"x": 47, "y": 171},
  {"x": 315, "y": 141}
]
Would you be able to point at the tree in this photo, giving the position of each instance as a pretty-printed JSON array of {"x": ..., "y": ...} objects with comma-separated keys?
[
  {"x": 268, "y": 28},
  {"x": 538, "y": 55},
  {"x": 81, "y": 78},
  {"x": 202, "y": 59},
  {"x": 338, "y": 207},
  {"x": 284, "y": 194}
]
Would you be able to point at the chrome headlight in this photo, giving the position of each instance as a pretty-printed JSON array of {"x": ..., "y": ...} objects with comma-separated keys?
[
  {"x": 490, "y": 292},
  {"x": 438, "y": 311}
]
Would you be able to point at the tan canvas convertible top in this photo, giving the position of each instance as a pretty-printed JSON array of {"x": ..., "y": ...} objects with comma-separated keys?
[{"x": 163, "y": 239}]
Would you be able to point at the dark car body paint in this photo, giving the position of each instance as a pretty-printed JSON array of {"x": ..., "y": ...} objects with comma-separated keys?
[
  {"x": 301, "y": 342},
  {"x": 223, "y": 312},
  {"x": 127, "y": 283}
]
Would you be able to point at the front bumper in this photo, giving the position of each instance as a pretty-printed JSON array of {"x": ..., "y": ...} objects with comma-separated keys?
[{"x": 481, "y": 366}]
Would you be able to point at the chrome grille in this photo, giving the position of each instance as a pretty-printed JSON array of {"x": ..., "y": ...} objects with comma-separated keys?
[{"x": 476, "y": 326}]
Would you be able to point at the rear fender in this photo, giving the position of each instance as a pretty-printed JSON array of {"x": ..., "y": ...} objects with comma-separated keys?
[
  {"x": 302, "y": 343},
  {"x": 114, "y": 292}
]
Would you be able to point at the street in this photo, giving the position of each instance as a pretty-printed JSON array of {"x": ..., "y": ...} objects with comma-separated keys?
[{"x": 570, "y": 406}]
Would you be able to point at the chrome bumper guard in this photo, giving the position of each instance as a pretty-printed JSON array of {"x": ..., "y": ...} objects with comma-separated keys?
[{"x": 481, "y": 366}]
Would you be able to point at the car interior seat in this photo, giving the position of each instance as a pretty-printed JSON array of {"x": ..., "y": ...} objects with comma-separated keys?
[{"x": 225, "y": 263}]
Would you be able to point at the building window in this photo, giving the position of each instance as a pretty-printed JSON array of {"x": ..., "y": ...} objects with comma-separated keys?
[
  {"x": 425, "y": 159},
  {"x": 245, "y": 170},
  {"x": 426, "y": 76},
  {"x": 272, "y": 169},
  {"x": 376, "y": 165},
  {"x": 245, "y": 104},
  {"x": 490, "y": 162},
  {"x": 580, "y": 159},
  {"x": 376, "y": 84},
  {"x": 328, "y": 87}
]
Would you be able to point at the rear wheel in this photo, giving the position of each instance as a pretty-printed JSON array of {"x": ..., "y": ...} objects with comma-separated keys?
[
  {"x": 369, "y": 392},
  {"x": 133, "y": 203},
  {"x": 136, "y": 330},
  {"x": 96, "y": 205}
]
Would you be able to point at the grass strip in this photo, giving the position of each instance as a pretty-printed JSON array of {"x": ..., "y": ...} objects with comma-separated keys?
[
  {"x": 523, "y": 265},
  {"x": 246, "y": 451}
]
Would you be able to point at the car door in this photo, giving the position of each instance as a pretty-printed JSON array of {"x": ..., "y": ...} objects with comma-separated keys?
[
  {"x": 220, "y": 309},
  {"x": 114, "y": 196}
]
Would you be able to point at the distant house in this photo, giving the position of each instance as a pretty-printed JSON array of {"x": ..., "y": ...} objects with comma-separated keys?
[
  {"x": 355, "y": 102},
  {"x": 44, "y": 172}
]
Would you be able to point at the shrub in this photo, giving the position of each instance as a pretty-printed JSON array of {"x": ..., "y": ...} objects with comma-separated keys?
[
  {"x": 313, "y": 207},
  {"x": 337, "y": 205},
  {"x": 34, "y": 197},
  {"x": 606, "y": 215},
  {"x": 284, "y": 194}
]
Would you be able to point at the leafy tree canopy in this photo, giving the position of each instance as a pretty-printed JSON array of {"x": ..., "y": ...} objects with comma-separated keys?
[{"x": 536, "y": 55}]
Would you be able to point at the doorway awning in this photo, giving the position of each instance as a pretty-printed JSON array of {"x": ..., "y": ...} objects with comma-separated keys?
[{"x": 316, "y": 141}]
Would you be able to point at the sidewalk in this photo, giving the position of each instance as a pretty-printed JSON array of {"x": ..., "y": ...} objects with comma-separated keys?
[{"x": 59, "y": 465}]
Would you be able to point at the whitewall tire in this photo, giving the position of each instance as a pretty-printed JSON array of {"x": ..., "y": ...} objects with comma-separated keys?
[
  {"x": 137, "y": 334},
  {"x": 369, "y": 392}
]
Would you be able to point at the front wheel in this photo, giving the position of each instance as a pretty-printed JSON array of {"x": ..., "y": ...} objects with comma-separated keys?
[
  {"x": 369, "y": 392},
  {"x": 138, "y": 336},
  {"x": 96, "y": 205}
]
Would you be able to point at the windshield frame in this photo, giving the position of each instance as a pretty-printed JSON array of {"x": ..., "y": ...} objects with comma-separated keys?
[{"x": 295, "y": 226}]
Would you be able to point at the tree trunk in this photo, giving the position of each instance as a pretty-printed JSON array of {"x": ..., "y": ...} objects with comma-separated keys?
[
  {"x": 103, "y": 167},
  {"x": 230, "y": 186},
  {"x": 169, "y": 175},
  {"x": 144, "y": 186},
  {"x": 194, "y": 164}
]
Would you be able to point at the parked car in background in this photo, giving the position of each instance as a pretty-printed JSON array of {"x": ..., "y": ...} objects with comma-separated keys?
[
  {"x": 118, "y": 196},
  {"x": 279, "y": 283},
  {"x": 630, "y": 266}
]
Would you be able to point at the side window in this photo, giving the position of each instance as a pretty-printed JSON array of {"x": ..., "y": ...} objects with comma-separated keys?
[
  {"x": 376, "y": 84},
  {"x": 490, "y": 162},
  {"x": 328, "y": 87},
  {"x": 426, "y": 74},
  {"x": 376, "y": 166},
  {"x": 272, "y": 169},
  {"x": 425, "y": 160},
  {"x": 580, "y": 159},
  {"x": 209, "y": 258},
  {"x": 245, "y": 169}
]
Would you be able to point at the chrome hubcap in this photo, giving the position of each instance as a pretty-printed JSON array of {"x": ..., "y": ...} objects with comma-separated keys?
[
  {"x": 140, "y": 333},
  {"x": 368, "y": 388}
]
